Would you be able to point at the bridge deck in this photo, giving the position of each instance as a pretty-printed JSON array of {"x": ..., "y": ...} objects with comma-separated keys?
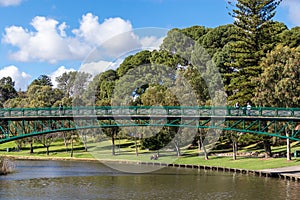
[
  {"x": 151, "y": 117},
  {"x": 107, "y": 111},
  {"x": 18, "y": 123}
]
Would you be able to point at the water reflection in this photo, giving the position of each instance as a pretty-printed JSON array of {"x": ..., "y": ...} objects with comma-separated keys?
[{"x": 92, "y": 180}]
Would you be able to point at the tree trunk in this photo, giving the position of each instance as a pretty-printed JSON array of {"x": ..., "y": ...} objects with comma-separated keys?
[
  {"x": 235, "y": 148},
  {"x": 267, "y": 147},
  {"x": 31, "y": 147},
  {"x": 113, "y": 144},
  {"x": 65, "y": 139},
  {"x": 177, "y": 149},
  {"x": 203, "y": 145},
  {"x": 72, "y": 150},
  {"x": 47, "y": 149},
  {"x": 199, "y": 146},
  {"x": 288, "y": 147},
  {"x": 136, "y": 148},
  {"x": 84, "y": 141}
]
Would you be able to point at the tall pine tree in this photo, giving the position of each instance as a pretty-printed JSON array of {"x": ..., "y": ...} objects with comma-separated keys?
[{"x": 252, "y": 18}]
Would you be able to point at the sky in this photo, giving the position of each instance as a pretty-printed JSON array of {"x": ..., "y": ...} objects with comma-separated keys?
[{"x": 50, "y": 37}]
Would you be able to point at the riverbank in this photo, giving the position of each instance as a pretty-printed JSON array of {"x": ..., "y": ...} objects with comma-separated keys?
[
  {"x": 126, "y": 154},
  {"x": 288, "y": 173}
]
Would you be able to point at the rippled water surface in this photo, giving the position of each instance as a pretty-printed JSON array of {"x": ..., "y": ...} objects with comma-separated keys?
[{"x": 93, "y": 180}]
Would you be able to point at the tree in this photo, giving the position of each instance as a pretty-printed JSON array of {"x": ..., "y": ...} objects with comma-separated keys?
[
  {"x": 278, "y": 85},
  {"x": 252, "y": 19},
  {"x": 133, "y": 61},
  {"x": 178, "y": 43},
  {"x": 207, "y": 71},
  {"x": 195, "y": 32},
  {"x": 7, "y": 90},
  {"x": 71, "y": 82},
  {"x": 42, "y": 80},
  {"x": 291, "y": 37},
  {"x": 112, "y": 133},
  {"x": 102, "y": 87},
  {"x": 46, "y": 140},
  {"x": 165, "y": 58},
  {"x": 42, "y": 96},
  {"x": 154, "y": 95},
  {"x": 217, "y": 38}
]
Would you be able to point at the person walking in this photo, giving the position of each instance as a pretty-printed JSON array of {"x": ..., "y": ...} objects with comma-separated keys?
[
  {"x": 237, "y": 107},
  {"x": 60, "y": 109},
  {"x": 248, "y": 108}
]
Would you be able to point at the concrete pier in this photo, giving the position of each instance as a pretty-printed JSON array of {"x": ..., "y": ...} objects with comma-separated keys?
[{"x": 288, "y": 173}]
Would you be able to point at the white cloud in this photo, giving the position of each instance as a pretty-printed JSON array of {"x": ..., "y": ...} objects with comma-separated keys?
[
  {"x": 111, "y": 38},
  {"x": 21, "y": 79},
  {"x": 152, "y": 42},
  {"x": 59, "y": 72},
  {"x": 95, "y": 67},
  {"x": 100, "y": 46},
  {"x": 10, "y": 2},
  {"x": 293, "y": 9},
  {"x": 50, "y": 41},
  {"x": 46, "y": 44},
  {"x": 95, "y": 33}
]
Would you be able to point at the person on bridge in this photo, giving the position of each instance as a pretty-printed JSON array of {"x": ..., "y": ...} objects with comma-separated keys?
[
  {"x": 60, "y": 109},
  {"x": 248, "y": 108},
  {"x": 237, "y": 107}
]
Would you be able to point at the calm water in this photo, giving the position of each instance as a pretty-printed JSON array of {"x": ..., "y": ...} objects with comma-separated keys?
[{"x": 92, "y": 180}]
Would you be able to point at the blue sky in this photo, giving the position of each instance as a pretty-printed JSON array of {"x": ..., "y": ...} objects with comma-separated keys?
[{"x": 53, "y": 36}]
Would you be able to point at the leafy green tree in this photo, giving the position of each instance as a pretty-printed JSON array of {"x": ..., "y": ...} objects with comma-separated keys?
[
  {"x": 133, "y": 61},
  {"x": 178, "y": 43},
  {"x": 181, "y": 41},
  {"x": 217, "y": 38},
  {"x": 211, "y": 84},
  {"x": 278, "y": 85},
  {"x": 158, "y": 141},
  {"x": 273, "y": 32},
  {"x": 102, "y": 87},
  {"x": 112, "y": 133},
  {"x": 154, "y": 95},
  {"x": 73, "y": 83},
  {"x": 42, "y": 80},
  {"x": 42, "y": 96},
  {"x": 165, "y": 58},
  {"x": 195, "y": 32},
  {"x": 7, "y": 90},
  {"x": 105, "y": 87},
  {"x": 291, "y": 37},
  {"x": 46, "y": 140}
]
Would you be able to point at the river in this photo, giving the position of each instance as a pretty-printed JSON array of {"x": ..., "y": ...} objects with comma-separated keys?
[{"x": 92, "y": 180}]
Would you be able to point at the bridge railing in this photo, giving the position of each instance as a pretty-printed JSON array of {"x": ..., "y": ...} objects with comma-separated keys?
[{"x": 151, "y": 110}]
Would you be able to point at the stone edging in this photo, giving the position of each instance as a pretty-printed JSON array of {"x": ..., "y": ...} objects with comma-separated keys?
[{"x": 260, "y": 173}]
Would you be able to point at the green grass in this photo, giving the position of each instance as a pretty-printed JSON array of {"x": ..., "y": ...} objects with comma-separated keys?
[
  {"x": 102, "y": 150},
  {"x": 241, "y": 162}
]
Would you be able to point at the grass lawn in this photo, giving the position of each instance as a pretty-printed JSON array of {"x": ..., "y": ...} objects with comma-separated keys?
[{"x": 125, "y": 150}]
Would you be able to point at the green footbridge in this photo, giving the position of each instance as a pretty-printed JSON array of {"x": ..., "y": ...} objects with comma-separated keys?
[{"x": 18, "y": 123}]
